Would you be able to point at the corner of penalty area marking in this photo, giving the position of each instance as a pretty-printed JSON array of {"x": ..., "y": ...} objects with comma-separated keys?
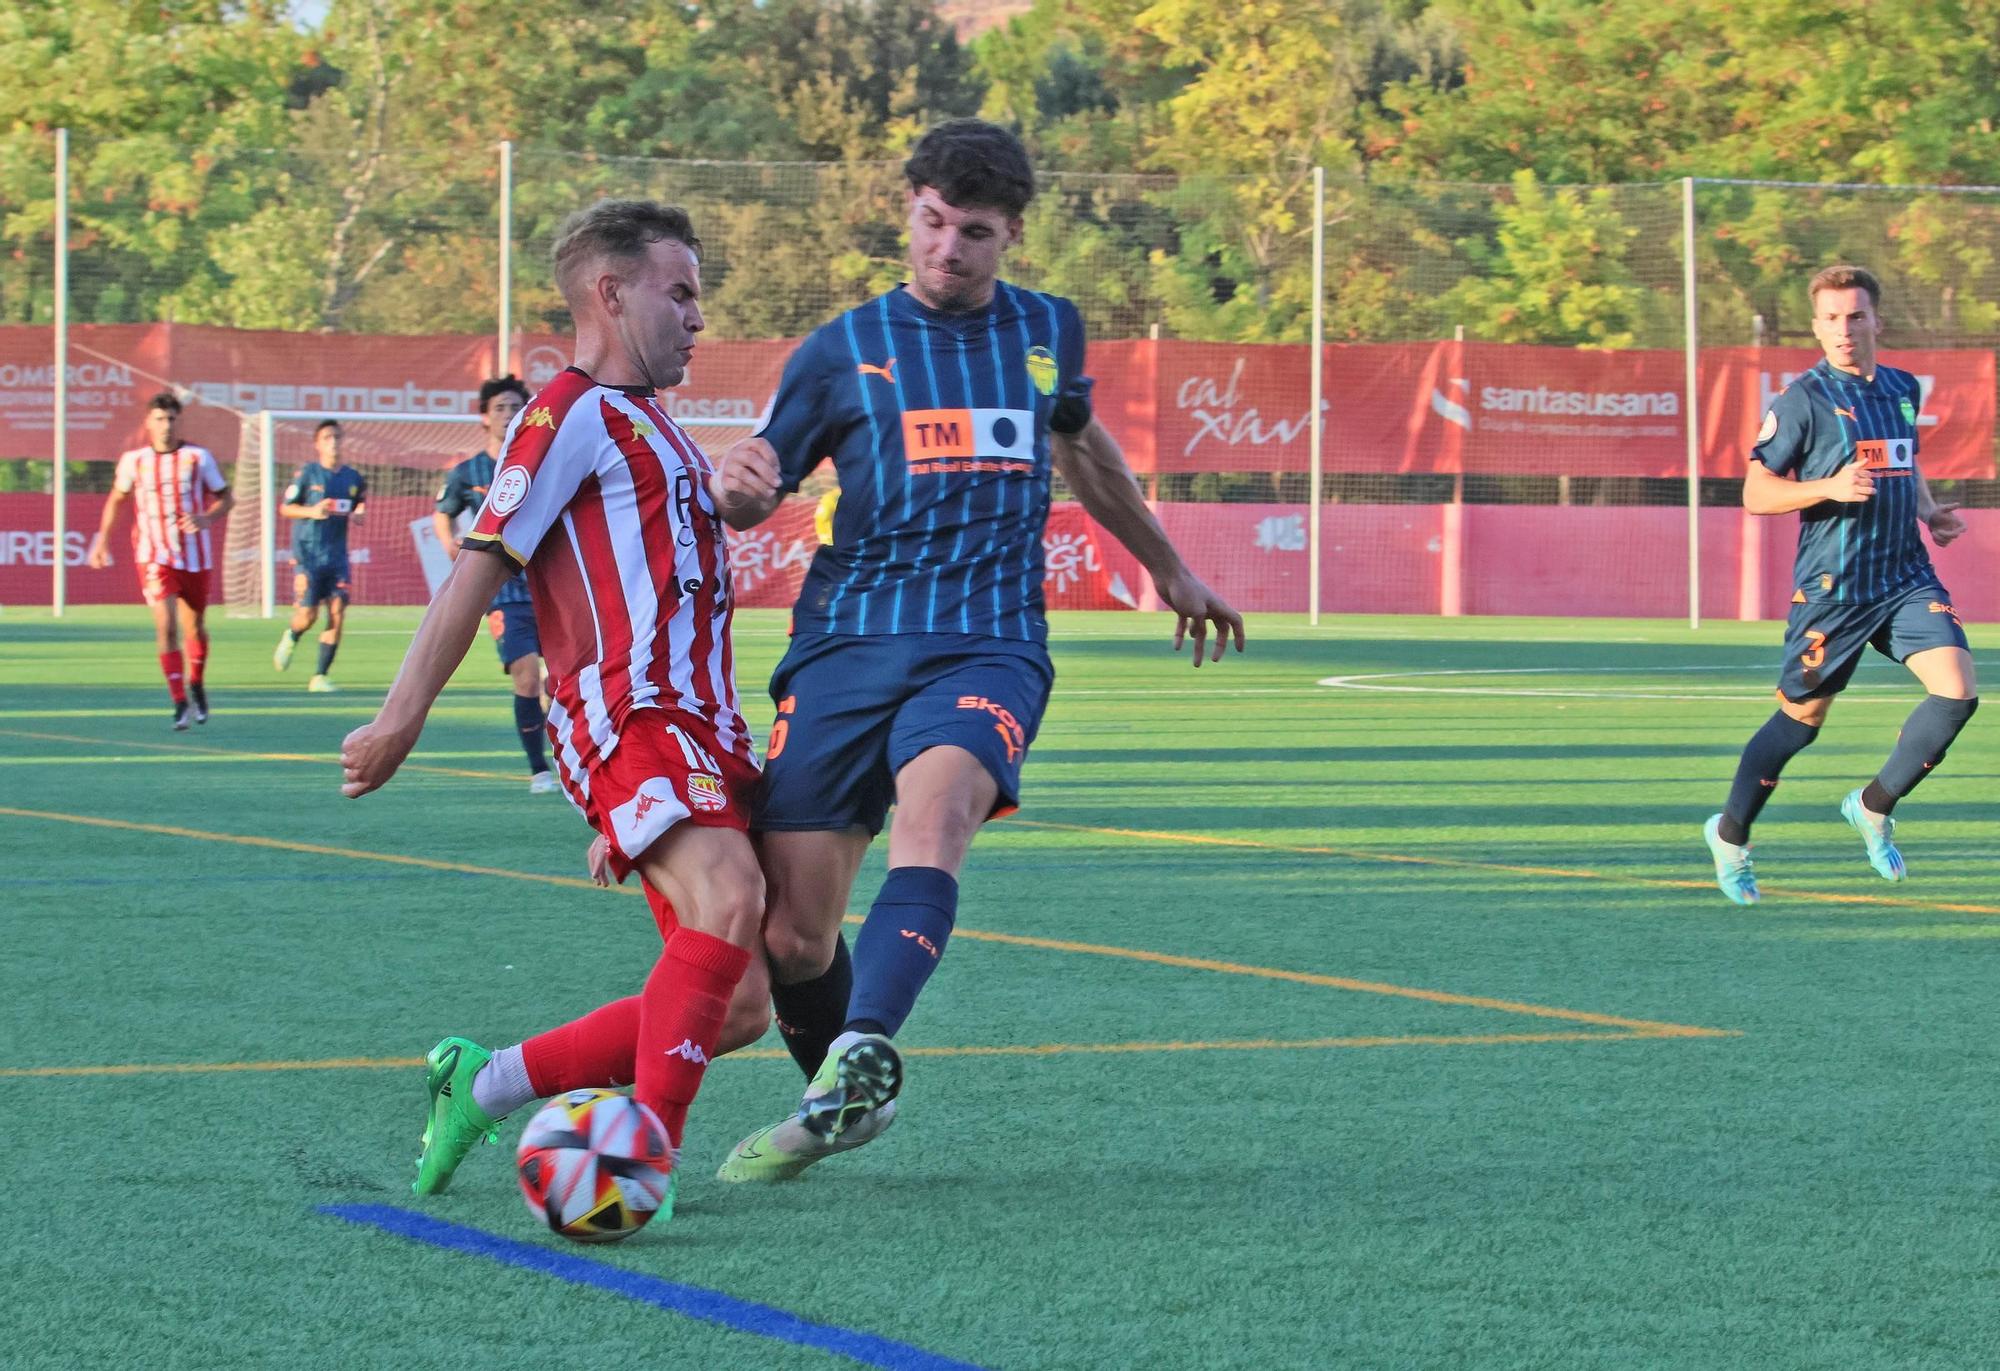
[{"x": 690, "y": 1301}]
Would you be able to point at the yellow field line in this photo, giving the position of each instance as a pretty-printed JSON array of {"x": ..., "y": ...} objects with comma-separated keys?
[
  {"x": 1471, "y": 864},
  {"x": 1273, "y": 973},
  {"x": 1646, "y": 1026},
  {"x": 775, "y": 1054},
  {"x": 328, "y": 760},
  {"x": 282, "y": 845}
]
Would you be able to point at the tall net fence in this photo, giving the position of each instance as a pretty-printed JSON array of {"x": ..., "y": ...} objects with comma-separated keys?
[{"x": 1506, "y": 410}]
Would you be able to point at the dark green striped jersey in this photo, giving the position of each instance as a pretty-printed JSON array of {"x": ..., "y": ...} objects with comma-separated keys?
[
  {"x": 323, "y": 542},
  {"x": 463, "y": 492},
  {"x": 938, "y": 425},
  {"x": 1851, "y": 553}
]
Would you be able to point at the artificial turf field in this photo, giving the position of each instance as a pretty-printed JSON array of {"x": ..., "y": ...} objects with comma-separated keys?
[{"x": 1287, "y": 1026}]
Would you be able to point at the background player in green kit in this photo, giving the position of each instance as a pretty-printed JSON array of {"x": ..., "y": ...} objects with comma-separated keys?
[
  {"x": 918, "y": 666},
  {"x": 1840, "y": 446},
  {"x": 511, "y": 616},
  {"x": 321, "y": 501}
]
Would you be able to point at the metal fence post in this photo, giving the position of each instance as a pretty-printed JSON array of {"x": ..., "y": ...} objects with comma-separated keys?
[
  {"x": 1317, "y": 440},
  {"x": 59, "y": 435},
  {"x": 1690, "y": 325},
  {"x": 502, "y": 353}
]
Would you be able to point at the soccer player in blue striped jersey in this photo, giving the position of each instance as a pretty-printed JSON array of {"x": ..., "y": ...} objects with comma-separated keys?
[
  {"x": 511, "y": 616},
  {"x": 1840, "y": 447},
  {"x": 321, "y": 501},
  {"x": 918, "y": 666}
]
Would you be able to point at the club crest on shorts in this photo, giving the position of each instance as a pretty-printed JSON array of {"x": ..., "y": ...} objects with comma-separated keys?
[
  {"x": 706, "y": 792},
  {"x": 1042, "y": 369}
]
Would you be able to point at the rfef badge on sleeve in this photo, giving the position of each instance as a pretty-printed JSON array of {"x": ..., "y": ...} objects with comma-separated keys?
[{"x": 1887, "y": 456}]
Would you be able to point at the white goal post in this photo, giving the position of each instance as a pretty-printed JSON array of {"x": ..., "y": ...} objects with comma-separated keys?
[{"x": 404, "y": 458}]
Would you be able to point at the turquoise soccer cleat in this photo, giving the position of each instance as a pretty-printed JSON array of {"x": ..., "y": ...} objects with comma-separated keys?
[
  {"x": 1732, "y": 864},
  {"x": 1878, "y": 832}
]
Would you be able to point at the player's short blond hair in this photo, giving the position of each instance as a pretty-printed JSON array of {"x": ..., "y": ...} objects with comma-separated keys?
[
  {"x": 1847, "y": 278},
  {"x": 620, "y": 230}
]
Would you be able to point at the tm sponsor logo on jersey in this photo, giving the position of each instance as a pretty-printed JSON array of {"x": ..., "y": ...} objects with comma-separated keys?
[{"x": 973, "y": 436}]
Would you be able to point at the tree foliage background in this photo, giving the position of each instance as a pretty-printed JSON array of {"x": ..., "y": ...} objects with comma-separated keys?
[{"x": 1505, "y": 166}]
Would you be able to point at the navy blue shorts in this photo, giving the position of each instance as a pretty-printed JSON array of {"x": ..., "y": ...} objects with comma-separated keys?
[
  {"x": 853, "y": 710},
  {"x": 514, "y": 633},
  {"x": 1823, "y": 642},
  {"x": 311, "y": 585}
]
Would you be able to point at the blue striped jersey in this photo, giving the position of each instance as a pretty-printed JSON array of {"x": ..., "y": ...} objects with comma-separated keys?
[
  {"x": 938, "y": 427},
  {"x": 1851, "y": 553},
  {"x": 463, "y": 492}
]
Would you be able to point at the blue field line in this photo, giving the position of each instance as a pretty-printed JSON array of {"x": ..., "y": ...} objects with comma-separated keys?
[{"x": 707, "y": 1306}]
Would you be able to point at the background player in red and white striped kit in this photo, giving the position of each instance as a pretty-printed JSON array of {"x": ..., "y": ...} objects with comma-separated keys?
[
  {"x": 177, "y": 492},
  {"x": 603, "y": 500}
]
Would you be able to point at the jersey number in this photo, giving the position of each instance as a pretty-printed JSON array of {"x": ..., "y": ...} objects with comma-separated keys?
[
  {"x": 781, "y": 727},
  {"x": 1815, "y": 654}
]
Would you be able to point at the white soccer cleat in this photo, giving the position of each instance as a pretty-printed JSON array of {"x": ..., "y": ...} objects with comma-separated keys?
[
  {"x": 319, "y": 685},
  {"x": 282, "y": 657},
  {"x": 542, "y": 783}
]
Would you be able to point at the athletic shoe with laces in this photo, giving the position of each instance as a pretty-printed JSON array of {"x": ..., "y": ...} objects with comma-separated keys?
[
  {"x": 456, "y": 1123},
  {"x": 182, "y": 716},
  {"x": 861, "y": 1073},
  {"x": 541, "y": 783},
  {"x": 780, "y": 1151},
  {"x": 282, "y": 658},
  {"x": 1878, "y": 832},
  {"x": 1732, "y": 864},
  {"x": 198, "y": 697},
  {"x": 319, "y": 685}
]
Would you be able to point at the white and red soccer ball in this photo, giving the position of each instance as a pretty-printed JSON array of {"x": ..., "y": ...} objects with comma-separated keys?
[{"x": 594, "y": 1165}]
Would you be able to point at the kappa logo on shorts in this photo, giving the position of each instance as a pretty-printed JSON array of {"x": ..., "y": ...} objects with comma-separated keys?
[
  {"x": 644, "y": 804},
  {"x": 707, "y": 793}
]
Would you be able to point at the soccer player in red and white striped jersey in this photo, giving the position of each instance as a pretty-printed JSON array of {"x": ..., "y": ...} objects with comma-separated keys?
[
  {"x": 603, "y": 500},
  {"x": 177, "y": 491}
]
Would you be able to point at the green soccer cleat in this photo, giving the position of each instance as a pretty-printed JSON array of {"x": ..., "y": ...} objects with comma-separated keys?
[
  {"x": 861, "y": 1073},
  {"x": 1732, "y": 864},
  {"x": 782, "y": 1150},
  {"x": 1878, "y": 832},
  {"x": 456, "y": 1124}
]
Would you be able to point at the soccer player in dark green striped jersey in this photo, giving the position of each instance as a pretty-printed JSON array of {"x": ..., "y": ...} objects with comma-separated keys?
[
  {"x": 1839, "y": 446},
  {"x": 511, "y": 616},
  {"x": 918, "y": 666},
  {"x": 322, "y": 500}
]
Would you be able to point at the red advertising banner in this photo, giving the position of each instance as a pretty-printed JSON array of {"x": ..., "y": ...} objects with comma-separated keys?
[{"x": 1174, "y": 406}]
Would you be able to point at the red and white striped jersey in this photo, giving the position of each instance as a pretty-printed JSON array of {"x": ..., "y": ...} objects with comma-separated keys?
[
  {"x": 164, "y": 486},
  {"x": 604, "y": 500}
]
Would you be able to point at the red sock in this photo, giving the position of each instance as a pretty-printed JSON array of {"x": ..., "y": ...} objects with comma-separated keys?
[
  {"x": 197, "y": 657},
  {"x": 170, "y": 667},
  {"x": 591, "y": 1052},
  {"x": 680, "y": 1021}
]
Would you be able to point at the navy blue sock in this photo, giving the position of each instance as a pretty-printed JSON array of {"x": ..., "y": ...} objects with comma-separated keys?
[
  {"x": 810, "y": 1014},
  {"x": 528, "y": 719},
  {"x": 326, "y": 651},
  {"x": 1780, "y": 739},
  {"x": 900, "y": 944},
  {"x": 1927, "y": 734}
]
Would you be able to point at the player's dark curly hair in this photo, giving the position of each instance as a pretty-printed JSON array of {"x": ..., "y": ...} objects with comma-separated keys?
[
  {"x": 502, "y": 385},
  {"x": 165, "y": 400},
  {"x": 1844, "y": 277},
  {"x": 973, "y": 163},
  {"x": 618, "y": 228}
]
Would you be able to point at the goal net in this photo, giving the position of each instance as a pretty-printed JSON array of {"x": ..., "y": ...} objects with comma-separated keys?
[{"x": 393, "y": 549}]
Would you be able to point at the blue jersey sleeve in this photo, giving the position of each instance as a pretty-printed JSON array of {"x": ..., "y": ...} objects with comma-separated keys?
[
  {"x": 1786, "y": 436},
  {"x": 360, "y": 488},
  {"x": 451, "y": 500},
  {"x": 799, "y": 426},
  {"x": 1072, "y": 411},
  {"x": 299, "y": 491}
]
